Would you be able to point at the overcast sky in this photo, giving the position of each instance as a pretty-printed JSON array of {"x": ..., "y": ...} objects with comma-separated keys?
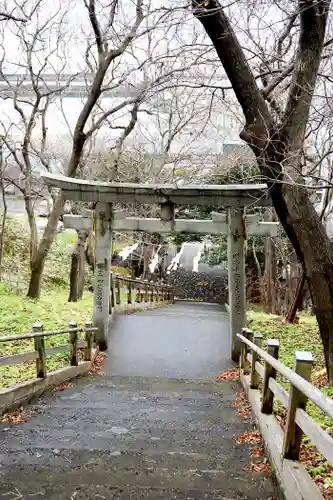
[{"x": 175, "y": 42}]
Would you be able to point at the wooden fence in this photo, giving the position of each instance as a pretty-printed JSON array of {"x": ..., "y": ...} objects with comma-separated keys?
[
  {"x": 138, "y": 291},
  {"x": 145, "y": 292},
  {"x": 298, "y": 421},
  {"x": 39, "y": 354}
]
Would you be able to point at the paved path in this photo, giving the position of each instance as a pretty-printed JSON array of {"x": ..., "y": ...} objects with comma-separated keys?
[
  {"x": 131, "y": 437},
  {"x": 183, "y": 340}
]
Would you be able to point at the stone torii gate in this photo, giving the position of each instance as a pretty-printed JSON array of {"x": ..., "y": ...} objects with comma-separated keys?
[{"x": 236, "y": 225}]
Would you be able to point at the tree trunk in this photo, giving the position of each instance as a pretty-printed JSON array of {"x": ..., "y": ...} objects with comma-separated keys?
[
  {"x": 38, "y": 259},
  {"x": 89, "y": 251},
  {"x": 81, "y": 271},
  {"x": 3, "y": 221},
  {"x": 259, "y": 273},
  {"x": 270, "y": 277},
  {"x": 308, "y": 236},
  {"x": 278, "y": 146},
  {"x": 73, "y": 277},
  {"x": 35, "y": 280},
  {"x": 77, "y": 275},
  {"x": 295, "y": 305},
  {"x": 32, "y": 226}
]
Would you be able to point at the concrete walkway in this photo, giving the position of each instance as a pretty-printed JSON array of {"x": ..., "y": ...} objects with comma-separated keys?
[{"x": 184, "y": 340}]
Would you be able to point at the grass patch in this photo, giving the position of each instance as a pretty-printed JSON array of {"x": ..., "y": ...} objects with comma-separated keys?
[
  {"x": 17, "y": 316},
  {"x": 67, "y": 238},
  {"x": 303, "y": 336}
]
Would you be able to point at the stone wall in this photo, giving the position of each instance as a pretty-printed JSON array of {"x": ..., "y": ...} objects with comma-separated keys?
[{"x": 206, "y": 286}]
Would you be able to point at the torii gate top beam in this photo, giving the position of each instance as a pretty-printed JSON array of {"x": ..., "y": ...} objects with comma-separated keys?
[{"x": 230, "y": 195}]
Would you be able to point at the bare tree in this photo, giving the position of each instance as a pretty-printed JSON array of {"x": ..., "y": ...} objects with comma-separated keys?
[
  {"x": 4, "y": 205},
  {"x": 278, "y": 142},
  {"x": 24, "y": 127}
]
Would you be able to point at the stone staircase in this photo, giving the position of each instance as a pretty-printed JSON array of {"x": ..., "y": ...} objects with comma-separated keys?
[{"x": 131, "y": 438}]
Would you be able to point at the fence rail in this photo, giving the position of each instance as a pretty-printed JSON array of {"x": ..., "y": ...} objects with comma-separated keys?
[
  {"x": 298, "y": 421},
  {"x": 40, "y": 352},
  {"x": 145, "y": 291}
]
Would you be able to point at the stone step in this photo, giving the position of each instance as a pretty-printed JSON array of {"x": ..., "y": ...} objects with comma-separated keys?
[
  {"x": 50, "y": 480},
  {"x": 132, "y": 438}
]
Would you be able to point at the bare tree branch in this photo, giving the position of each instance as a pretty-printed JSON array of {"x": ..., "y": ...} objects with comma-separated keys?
[
  {"x": 6, "y": 16},
  {"x": 220, "y": 31},
  {"x": 313, "y": 17}
]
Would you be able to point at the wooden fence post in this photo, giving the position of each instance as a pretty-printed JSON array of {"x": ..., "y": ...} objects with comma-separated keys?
[
  {"x": 303, "y": 362},
  {"x": 151, "y": 293},
  {"x": 40, "y": 350},
  {"x": 157, "y": 293},
  {"x": 247, "y": 368},
  {"x": 146, "y": 293},
  {"x": 243, "y": 356},
  {"x": 138, "y": 294},
  {"x": 73, "y": 341},
  {"x": 88, "y": 339},
  {"x": 246, "y": 363},
  {"x": 255, "y": 377},
  {"x": 129, "y": 292},
  {"x": 270, "y": 372},
  {"x": 117, "y": 291},
  {"x": 112, "y": 291}
]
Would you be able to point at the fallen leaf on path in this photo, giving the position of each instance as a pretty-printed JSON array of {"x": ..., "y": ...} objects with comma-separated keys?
[
  {"x": 257, "y": 467},
  {"x": 19, "y": 416},
  {"x": 244, "y": 411},
  {"x": 98, "y": 364},
  {"x": 61, "y": 387},
  {"x": 248, "y": 438},
  {"x": 228, "y": 375},
  {"x": 257, "y": 452}
]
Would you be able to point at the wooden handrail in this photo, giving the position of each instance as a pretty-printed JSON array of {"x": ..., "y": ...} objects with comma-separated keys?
[
  {"x": 315, "y": 395},
  {"x": 297, "y": 420},
  {"x": 138, "y": 281},
  {"x": 39, "y": 353},
  {"x": 34, "y": 335},
  {"x": 145, "y": 291}
]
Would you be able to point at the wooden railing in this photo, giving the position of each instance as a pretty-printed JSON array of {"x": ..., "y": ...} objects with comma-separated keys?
[
  {"x": 145, "y": 292},
  {"x": 298, "y": 421},
  {"x": 138, "y": 291},
  {"x": 39, "y": 354}
]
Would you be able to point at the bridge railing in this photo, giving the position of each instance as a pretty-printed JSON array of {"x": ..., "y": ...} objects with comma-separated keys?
[
  {"x": 39, "y": 353},
  {"x": 138, "y": 291},
  {"x": 262, "y": 367}
]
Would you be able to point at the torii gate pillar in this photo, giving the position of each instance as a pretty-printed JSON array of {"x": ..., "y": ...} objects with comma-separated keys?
[
  {"x": 236, "y": 277},
  {"x": 103, "y": 247}
]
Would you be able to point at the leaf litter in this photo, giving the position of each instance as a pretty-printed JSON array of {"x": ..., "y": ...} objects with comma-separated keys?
[{"x": 97, "y": 366}]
